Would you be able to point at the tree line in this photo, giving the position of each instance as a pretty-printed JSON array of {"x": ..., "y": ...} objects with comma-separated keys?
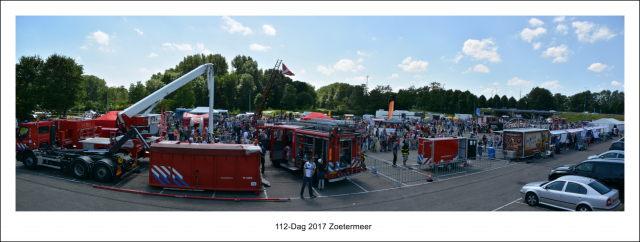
[{"x": 58, "y": 84}]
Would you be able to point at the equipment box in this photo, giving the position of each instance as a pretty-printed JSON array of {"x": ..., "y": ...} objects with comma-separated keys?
[{"x": 220, "y": 167}]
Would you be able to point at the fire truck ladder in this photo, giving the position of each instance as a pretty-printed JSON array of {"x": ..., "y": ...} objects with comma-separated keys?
[{"x": 267, "y": 90}]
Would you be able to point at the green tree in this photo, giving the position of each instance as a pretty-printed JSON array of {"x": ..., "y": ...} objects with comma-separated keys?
[
  {"x": 504, "y": 102},
  {"x": 185, "y": 97},
  {"x": 257, "y": 100},
  {"x": 28, "y": 86},
  {"x": 88, "y": 105},
  {"x": 288, "y": 101},
  {"x": 153, "y": 85},
  {"x": 62, "y": 84},
  {"x": 243, "y": 89},
  {"x": 540, "y": 99},
  {"x": 95, "y": 86},
  {"x": 512, "y": 103},
  {"x": 137, "y": 92},
  {"x": 482, "y": 102}
]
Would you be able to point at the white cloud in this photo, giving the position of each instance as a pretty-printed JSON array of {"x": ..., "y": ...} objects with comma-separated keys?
[
  {"x": 207, "y": 52},
  {"x": 234, "y": 26},
  {"x": 617, "y": 84},
  {"x": 145, "y": 70},
  {"x": 551, "y": 84},
  {"x": 325, "y": 70},
  {"x": 395, "y": 75},
  {"x": 268, "y": 29},
  {"x": 345, "y": 65},
  {"x": 101, "y": 37},
  {"x": 174, "y": 46},
  {"x": 518, "y": 82},
  {"x": 362, "y": 53},
  {"x": 360, "y": 67},
  {"x": 558, "y": 19},
  {"x": 528, "y": 34},
  {"x": 417, "y": 76},
  {"x": 356, "y": 79},
  {"x": 258, "y": 47},
  {"x": 399, "y": 38},
  {"x": 139, "y": 32},
  {"x": 562, "y": 29},
  {"x": 360, "y": 60},
  {"x": 535, "y": 22},
  {"x": 467, "y": 71},
  {"x": 78, "y": 58},
  {"x": 600, "y": 89},
  {"x": 413, "y": 65},
  {"x": 152, "y": 55},
  {"x": 457, "y": 58},
  {"x": 200, "y": 46},
  {"x": 597, "y": 67},
  {"x": 590, "y": 32},
  {"x": 105, "y": 49},
  {"x": 396, "y": 89},
  {"x": 537, "y": 45},
  {"x": 559, "y": 52},
  {"x": 303, "y": 71},
  {"x": 481, "y": 86},
  {"x": 490, "y": 91},
  {"x": 481, "y": 50},
  {"x": 84, "y": 47},
  {"x": 481, "y": 68},
  {"x": 494, "y": 84},
  {"x": 374, "y": 38}
]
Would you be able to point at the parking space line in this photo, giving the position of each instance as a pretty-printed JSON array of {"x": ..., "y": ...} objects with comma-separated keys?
[
  {"x": 161, "y": 191},
  {"x": 506, "y": 205},
  {"x": 264, "y": 189},
  {"x": 214, "y": 194},
  {"x": 365, "y": 190}
]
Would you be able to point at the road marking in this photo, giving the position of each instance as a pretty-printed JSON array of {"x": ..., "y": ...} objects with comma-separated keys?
[
  {"x": 161, "y": 191},
  {"x": 214, "y": 194},
  {"x": 264, "y": 189},
  {"x": 506, "y": 205},
  {"x": 365, "y": 190}
]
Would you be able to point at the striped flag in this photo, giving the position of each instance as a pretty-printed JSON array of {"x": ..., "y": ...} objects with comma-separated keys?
[{"x": 286, "y": 71}]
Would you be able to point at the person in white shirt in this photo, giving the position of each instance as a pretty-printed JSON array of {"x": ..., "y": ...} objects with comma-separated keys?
[
  {"x": 309, "y": 169},
  {"x": 245, "y": 136}
]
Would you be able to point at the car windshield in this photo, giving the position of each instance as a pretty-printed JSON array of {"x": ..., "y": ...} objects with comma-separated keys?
[
  {"x": 23, "y": 132},
  {"x": 545, "y": 183},
  {"x": 601, "y": 188}
]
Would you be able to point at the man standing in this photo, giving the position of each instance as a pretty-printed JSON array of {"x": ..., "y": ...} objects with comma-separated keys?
[
  {"x": 395, "y": 153},
  {"x": 264, "y": 152},
  {"x": 315, "y": 174},
  {"x": 309, "y": 170},
  {"x": 405, "y": 153}
]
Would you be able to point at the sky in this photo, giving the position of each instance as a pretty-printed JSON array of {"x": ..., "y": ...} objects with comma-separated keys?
[{"x": 482, "y": 54}]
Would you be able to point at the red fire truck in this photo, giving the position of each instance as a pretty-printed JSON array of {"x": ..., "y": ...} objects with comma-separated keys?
[
  {"x": 445, "y": 151},
  {"x": 332, "y": 140},
  {"x": 486, "y": 119}
]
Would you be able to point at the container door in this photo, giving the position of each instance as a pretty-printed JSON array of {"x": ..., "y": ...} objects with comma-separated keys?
[
  {"x": 462, "y": 149},
  {"x": 472, "y": 147},
  {"x": 277, "y": 146},
  {"x": 421, "y": 145},
  {"x": 203, "y": 176}
]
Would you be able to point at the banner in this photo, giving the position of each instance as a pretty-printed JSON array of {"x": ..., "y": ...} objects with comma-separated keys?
[
  {"x": 390, "y": 110},
  {"x": 477, "y": 111},
  {"x": 329, "y": 113}
]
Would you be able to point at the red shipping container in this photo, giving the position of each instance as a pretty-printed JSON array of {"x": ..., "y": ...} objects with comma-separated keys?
[
  {"x": 439, "y": 151},
  {"x": 220, "y": 167}
]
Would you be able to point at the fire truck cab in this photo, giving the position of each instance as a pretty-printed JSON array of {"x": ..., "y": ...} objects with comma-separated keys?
[{"x": 333, "y": 141}]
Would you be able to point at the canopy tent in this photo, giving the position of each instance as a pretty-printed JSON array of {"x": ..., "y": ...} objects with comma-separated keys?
[
  {"x": 609, "y": 123},
  {"x": 316, "y": 115},
  {"x": 426, "y": 117},
  {"x": 377, "y": 119},
  {"x": 561, "y": 133},
  {"x": 392, "y": 121},
  {"x": 107, "y": 120},
  {"x": 456, "y": 118},
  {"x": 200, "y": 110}
]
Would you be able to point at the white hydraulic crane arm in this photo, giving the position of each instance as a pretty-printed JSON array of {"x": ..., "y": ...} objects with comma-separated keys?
[{"x": 158, "y": 95}]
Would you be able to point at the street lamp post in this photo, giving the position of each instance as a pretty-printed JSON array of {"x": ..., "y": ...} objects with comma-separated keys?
[{"x": 585, "y": 99}]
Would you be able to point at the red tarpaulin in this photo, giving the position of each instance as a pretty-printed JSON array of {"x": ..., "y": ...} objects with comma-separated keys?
[
  {"x": 315, "y": 115},
  {"x": 186, "y": 118},
  {"x": 108, "y": 120}
]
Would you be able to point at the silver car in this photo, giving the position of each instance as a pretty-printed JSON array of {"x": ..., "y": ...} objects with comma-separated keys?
[
  {"x": 612, "y": 154},
  {"x": 574, "y": 193}
]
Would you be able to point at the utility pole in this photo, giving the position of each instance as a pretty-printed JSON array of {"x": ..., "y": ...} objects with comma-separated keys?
[
  {"x": 366, "y": 95},
  {"x": 249, "y": 100},
  {"x": 585, "y": 99},
  {"x": 107, "y": 99}
]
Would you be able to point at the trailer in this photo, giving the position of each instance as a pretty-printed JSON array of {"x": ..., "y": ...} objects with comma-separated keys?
[
  {"x": 34, "y": 147},
  {"x": 334, "y": 141},
  {"x": 525, "y": 142},
  {"x": 219, "y": 167},
  {"x": 463, "y": 116},
  {"x": 445, "y": 152},
  {"x": 486, "y": 119}
]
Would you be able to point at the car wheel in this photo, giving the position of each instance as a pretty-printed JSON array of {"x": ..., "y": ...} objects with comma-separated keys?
[
  {"x": 30, "y": 161},
  {"x": 583, "y": 208},
  {"x": 531, "y": 199},
  {"x": 102, "y": 173},
  {"x": 80, "y": 170}
]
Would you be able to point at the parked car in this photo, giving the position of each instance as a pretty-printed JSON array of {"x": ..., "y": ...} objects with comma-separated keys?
[
  {"x": 574, "y": 193},
  {"x": 610, "y": 172},
  {"x": 612, "y": 154},
  {"x": 617, "y": 145}
]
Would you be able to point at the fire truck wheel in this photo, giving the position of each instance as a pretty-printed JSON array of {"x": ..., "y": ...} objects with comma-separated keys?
[
  {"x": 80, "y": 170},
  {"x": 30, "y": 161},
  {"x": 44, "y": 146},
  {"x": 102, "y": 173}
]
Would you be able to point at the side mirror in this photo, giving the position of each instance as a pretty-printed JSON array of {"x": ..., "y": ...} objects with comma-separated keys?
[{"x": 601, "y": 157}]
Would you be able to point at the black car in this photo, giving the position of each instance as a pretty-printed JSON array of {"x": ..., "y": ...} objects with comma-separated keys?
[
  {"x": 617, "y": 145},
  {"x": 610, "y": 172}
]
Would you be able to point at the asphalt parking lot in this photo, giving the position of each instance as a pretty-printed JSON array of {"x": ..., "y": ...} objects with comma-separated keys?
[{"x": 495, "y": 189}]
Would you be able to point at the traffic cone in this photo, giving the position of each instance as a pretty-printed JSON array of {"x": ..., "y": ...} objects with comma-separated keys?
[{"x": 429, "y": 178}]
